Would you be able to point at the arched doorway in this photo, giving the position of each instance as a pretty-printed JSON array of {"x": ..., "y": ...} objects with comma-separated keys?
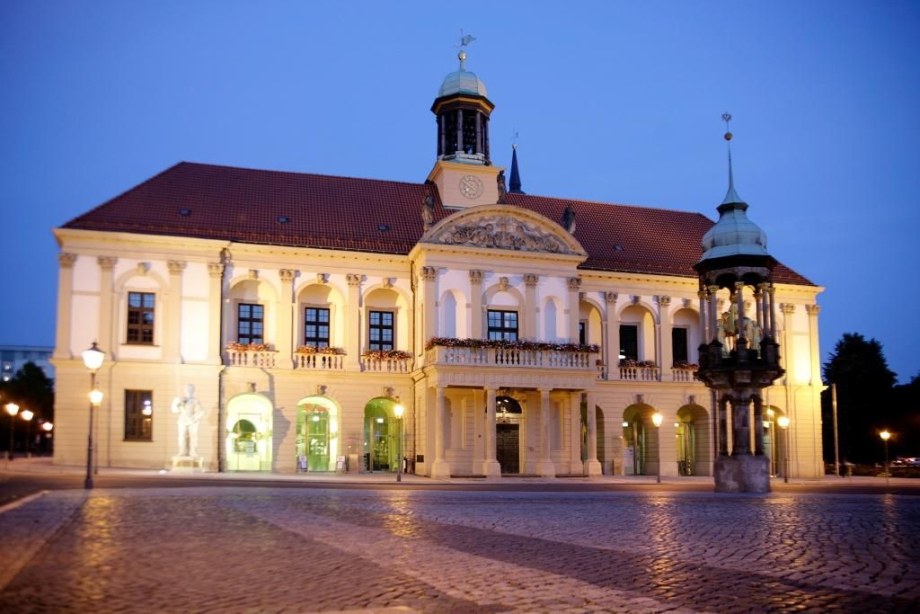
[
  {"x": 508, "y": 414},
  {"x": 317, "y": 434},
  {"x": 692, "y": 440},
  {"x": 249, "y": 433},
  {"x": 380, "y": 433},
  {"x": 640, "y": 440}
]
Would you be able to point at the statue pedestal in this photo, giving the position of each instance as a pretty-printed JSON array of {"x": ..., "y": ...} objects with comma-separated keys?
[
  {"x": 186, "y": 464},
  {"x": 743, "y": 473}
]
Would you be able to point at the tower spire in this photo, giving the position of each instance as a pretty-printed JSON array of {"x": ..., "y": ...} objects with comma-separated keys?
[
  {"x": 515, "y": 183},
  {"x": 731, "y": 196}
]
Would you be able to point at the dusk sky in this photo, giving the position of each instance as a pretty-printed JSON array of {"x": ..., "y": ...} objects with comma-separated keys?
[{"x": 614, "y": 101}]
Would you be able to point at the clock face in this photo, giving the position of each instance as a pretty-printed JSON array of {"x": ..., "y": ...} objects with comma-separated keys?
[{"x": 470, "y": 186}]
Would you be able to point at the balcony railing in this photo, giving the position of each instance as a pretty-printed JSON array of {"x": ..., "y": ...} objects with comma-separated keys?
[
  {"x": 264, "y": 359},
  {"x": 319, "y": 362},
  {"x": 639, "y": 374},
  {"x": 683, "y": 375},
  {"x": 507, "y": 357},
  {"x": 372, "y": 364}
]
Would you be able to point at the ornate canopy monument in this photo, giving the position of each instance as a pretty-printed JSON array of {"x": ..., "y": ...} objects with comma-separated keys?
[{"x": 741, "y": 356}]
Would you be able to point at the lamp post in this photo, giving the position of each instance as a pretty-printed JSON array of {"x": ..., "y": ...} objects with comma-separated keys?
[
  {"x": 656, "y": 420},
  {"x": 93, "y": 359},
  {"x": 27, "y": 416},
  {"x": 12, "y": 409},
  {"x": 783, "y": 422},
  {"x": 885, "y": 435},
  {"x": 47, "y": 427},
  {"x": 398, "y": 410}
]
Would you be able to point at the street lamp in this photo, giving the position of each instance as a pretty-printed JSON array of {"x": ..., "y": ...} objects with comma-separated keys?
[
  {"x": 398, "y": 410},
  {"x": 656, "y": 420},
  {"x": 783, "y": 422},
  {"x": 93, "y": 359},
  {"x": 27, "y": 416},
  {"x": 46, "y": 426},
  {"x": 12, "y": 409},
  {"x": 885, "y": 435}
]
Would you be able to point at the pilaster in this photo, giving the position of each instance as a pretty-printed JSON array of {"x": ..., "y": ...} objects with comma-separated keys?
[
  {"x": 172, "y": 326},
  {"x": 476, "y": 304},
  {"x": 815, "y": 371},
  {"x": 530, "y": 306},
  {"x": 440, "y": 468},
  {"x": 593, "y": 465},
  {"x": 215, "y": 280},
  {"x": 106, "y": 297},
  {"x": 285, "y": 323},
  {"x": 574, "y": 286},
  {"x": 65, "y": 292},
  {"x": 612, "y": 342},
  {"x": 490, "y": 467},
  {"x": 666, "y": 353},
  {"x": 546, "y": 468},
  {"x": 428, "y": 278},
  {"x": 353, "y": 326}
]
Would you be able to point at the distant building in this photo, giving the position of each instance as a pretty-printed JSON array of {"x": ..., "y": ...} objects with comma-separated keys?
[
  {"x": 303, "y": 308},
  {"x": 13, "y": 357}
]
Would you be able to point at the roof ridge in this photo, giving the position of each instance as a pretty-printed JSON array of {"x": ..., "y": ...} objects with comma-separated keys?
[
  {"x": 299, "y": 173},
  {"x": 600, "y": 202}
]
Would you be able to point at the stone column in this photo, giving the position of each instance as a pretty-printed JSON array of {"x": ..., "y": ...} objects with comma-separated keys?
[
  {"x": 546, "y": 468},
  {"x": 215, "y": 346},
  {"x": 666, "y": 351},
  {"x": 353, "y": 326},
  {"x": 758, "y": 425},
  {"x": 490, "y": 467},
  {"x": 440, "y": 468},
  {"x": 741, "y": 343},
  {"x": 172, "y": 327},
  {"x": 758, "y": 301},
  {"x": 460, "y": 147},
  {"x": 741, "y": 424},
  {"x": 476, "y": 304},
  {"x": 106, "y": 321},
  {"x": 530, "y": 306},
  {"x": 723, "y": 425},
  {"x": 612, "y": 342},
  {"x": 815, "y": 370},
  {"x": 285, "y": 321},
  {"x": 574, "y": 286},
  {"x": 713, "y": 312},
  {"x": 65, "y": 294},
  {"x": 704, "y": 319},
  {"x": 771, "y": 292},
  {"x": 593, "y": 465}
]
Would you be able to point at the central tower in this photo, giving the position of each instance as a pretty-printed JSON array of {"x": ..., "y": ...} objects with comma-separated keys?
[{"x": 463, "y": 171}]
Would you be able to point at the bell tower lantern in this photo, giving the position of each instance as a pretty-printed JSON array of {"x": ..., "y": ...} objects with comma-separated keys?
[{"x": 463, "y": 171}]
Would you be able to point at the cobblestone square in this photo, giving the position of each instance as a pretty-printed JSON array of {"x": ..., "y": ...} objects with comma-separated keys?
[{"x": 289, "y": 550}]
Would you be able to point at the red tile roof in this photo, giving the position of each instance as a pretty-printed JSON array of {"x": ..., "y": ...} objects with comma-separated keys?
[{"x": 244, "y": 205}]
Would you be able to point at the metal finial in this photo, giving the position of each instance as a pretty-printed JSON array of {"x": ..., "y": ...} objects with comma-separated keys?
[
  {"x": 731, "y": 196},
  {"x": 727, "y": 118},
  {"x": 464, "y": 41},
  {"x": 514, "y": 138}
]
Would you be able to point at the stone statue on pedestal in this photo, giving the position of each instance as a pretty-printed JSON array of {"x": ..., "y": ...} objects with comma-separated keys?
[{"x": 190, "y": 414}]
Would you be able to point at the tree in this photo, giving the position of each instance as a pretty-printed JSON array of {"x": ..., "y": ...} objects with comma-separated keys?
[
  {"x": 864, "y": 398},
  {"x": 31, "y": 389},
  {"x": 905, "y": 425}
]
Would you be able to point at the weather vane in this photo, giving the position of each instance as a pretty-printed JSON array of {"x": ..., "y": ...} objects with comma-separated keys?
[
  {"x": 465, "y": 40},
  {"x": 727, "y": 118},
  {"x": 514, "y": 138}
]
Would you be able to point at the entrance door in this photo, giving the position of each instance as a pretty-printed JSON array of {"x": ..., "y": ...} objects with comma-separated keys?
[{"x": 507, "y": 451}]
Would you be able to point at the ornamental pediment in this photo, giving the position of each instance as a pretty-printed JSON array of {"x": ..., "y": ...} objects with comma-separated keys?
[{"x": 503, "y": 227}]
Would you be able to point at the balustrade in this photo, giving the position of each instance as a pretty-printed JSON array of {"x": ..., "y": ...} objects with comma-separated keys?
[
  {"x": 319, "y": 362},
  {"x": 510, "y": 357},
  {"x": 264, "y": 359}
]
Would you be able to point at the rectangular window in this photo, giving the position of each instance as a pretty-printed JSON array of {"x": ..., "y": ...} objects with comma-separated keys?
[
  {"x": 629, "y": 341},
  {"x": 380, "y": 330},
  {"x": 316, "y": 327},
  {"x": 583, "y": 332},
  {"x": 138, "y": 415},
  {"x": 250, "y": 323},
  {"x": 679, "y": 344},
  {"x": 503, "y": 325},
  {"x": 140, "y": 317}
]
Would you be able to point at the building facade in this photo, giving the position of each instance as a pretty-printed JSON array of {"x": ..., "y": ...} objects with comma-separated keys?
[{"x": 522, "y": 334}]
